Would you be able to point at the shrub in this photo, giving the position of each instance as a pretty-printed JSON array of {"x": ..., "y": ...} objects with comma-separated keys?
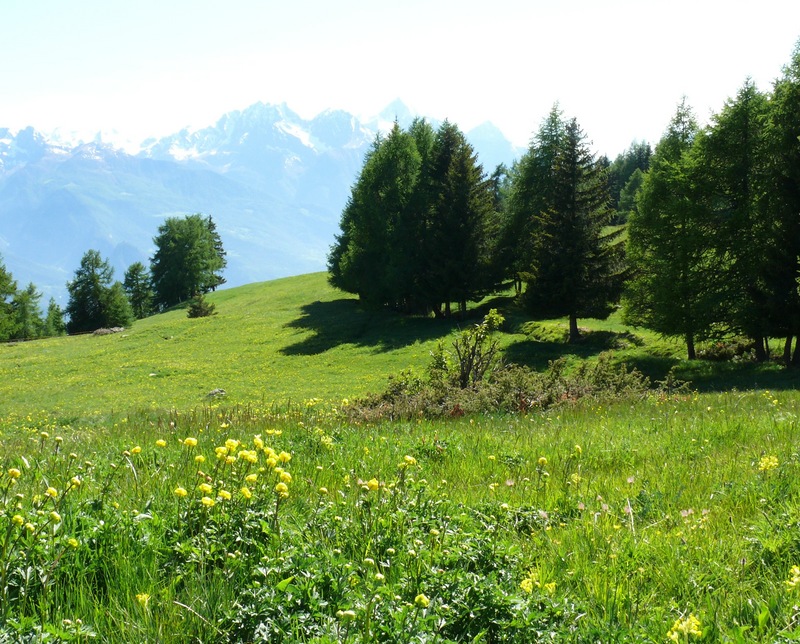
[{"x": 199, "y": 307}]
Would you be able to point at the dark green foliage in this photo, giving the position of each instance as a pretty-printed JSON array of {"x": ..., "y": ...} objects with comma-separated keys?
[
  {"x": 189, "y": 259},
  {"x": 94, "y": 300},
  {"x": 415, "y": 231},
  {"x": 27, "y": 314},
  {"x": 732, "y": 170},
  {"x": 559, "y": 212},
  {"x": 8, "y": 288},
  {"x": 139, "y": 290},
  {"x": 673, "y": 288},
  {"x": 54, "y": 320},
  {"x": 783, "y": 195},
  {"x": 199, "y": 307},
  {"x": 620, "y": 172},
  {"x": 117, "y": 310}
]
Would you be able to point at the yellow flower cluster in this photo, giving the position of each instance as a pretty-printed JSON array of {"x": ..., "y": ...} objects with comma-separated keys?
[
  {"x": 793, "y": 583},
  {"x": 767, "y": 463},
  {"x": 686, "y": 626}
]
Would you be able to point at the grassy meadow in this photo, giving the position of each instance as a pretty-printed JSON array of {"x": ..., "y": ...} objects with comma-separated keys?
[{"x": 135, "y": 507}]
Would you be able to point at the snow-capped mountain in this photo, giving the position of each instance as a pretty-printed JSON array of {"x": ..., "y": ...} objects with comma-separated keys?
[{"x": 274, "y": 183}]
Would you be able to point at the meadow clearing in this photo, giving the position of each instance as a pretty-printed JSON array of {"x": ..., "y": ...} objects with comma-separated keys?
[{"x": 134, "y": 507}]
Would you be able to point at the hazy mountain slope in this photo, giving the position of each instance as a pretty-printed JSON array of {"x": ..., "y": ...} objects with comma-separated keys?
[{"x": 274, "y": 182}]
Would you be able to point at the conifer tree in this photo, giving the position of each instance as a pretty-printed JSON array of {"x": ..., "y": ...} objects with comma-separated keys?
[
  {"x": 139, "y": 290},
  {"x": 27, "y": 313},
  {"x": 559, "y": 211},
  {"x": 732, "y": 172},
  {"x": 783, "y": 194},
  {"x": 189, "y": 259},
  {"x": 8, "y": 289},
  {"x": 673, "y": 285}
]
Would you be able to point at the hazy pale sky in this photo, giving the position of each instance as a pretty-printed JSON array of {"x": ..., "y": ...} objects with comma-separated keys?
[{"x": 620, "y": 67}]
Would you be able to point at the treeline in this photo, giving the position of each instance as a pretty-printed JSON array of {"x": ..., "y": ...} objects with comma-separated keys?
[
  {"x": 187, "y": 263},
  {"x": 698, "y": 239}
]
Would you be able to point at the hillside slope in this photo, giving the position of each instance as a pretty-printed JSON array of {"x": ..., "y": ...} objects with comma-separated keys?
[{"x": 286, "y": 340}]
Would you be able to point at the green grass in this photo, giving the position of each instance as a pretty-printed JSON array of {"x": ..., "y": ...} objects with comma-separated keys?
[
  {"x": 295, "y": 339},
  {"x": 584, "y": 523}
]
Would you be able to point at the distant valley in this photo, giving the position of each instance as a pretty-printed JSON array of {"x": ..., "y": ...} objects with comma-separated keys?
[{"x": 274, "y": 183}]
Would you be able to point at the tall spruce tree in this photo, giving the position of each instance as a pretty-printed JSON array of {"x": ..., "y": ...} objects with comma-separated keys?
[
  {"x": 571, "y": 262},
  {"x": 8, "y": 289},
  {"x": 90, "y": 297},
  {"x": 138, "y": 288},
  {"x": 27, "y": 313},
  {"x": 461, "y": 203},
  {"x": 670, "y": 248},
  {"x": 783, "y": 194},
  {"x": 374, "y": 220},
  {"x": 732, "y": 172},
  {"x": 189, "y": 260}
]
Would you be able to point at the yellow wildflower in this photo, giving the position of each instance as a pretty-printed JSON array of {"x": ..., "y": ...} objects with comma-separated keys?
[
  {"x": 161, "y": 443},
  {"x": 17, "y": 520},
  {"x": 205, "y": 488},
  {"x": 190, "y": 441},
  {"x": 794, "y": 578},
  {"x": 179, "y": 491},
  {"x": 51, "y": 492},
  {"x": 224, "y": 494},
  {"x": 284, "y": 457},
  {"x": 73, "y": 542},
  {"x": 767, "y": 463},
  {"x": 282, "y": 489},
  {"x": 55, "y": 516},
  {"x": 207, "y": 501},
  {"x": 527, "y": 585},
  {"x": 286, "y": 477},
  {"x": 685, "y": 626},
  {"x": 199, "y": 459},
  {"x": 373, "y": 484},
  {"x": 136, "y": 450},
  {"x": 14, "y": 473},
  {"x": 542, "y": 461},
  {"x": 251, "y": 478},
  {"x": 421, "y": 601},
  {"x": 246, "y": 493},
  {"x": 143, "y": 599}
]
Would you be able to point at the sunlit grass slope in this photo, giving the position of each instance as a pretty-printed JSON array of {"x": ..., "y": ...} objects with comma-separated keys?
[{"x": 294, "y": 339}]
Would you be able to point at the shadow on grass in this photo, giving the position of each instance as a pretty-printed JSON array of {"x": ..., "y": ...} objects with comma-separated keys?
[
  {"x": 343, "y": 321},
  {"x": 537, "y": 354}
]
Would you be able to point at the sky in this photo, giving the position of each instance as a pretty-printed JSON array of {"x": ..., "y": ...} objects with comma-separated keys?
[{"x": 151, "y": 67}]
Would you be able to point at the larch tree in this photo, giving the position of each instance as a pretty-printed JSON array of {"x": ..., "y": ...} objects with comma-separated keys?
[{"x": 672, "y": 289}]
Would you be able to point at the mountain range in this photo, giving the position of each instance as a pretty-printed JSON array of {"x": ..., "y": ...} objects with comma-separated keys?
[{"x": 274, "y": 183}]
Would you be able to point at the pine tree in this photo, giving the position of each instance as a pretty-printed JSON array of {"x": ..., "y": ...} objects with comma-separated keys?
[
  {"x": 732, "y": 169},
  {"x": 139, "y": 290},
  {"x": 8, "y": 289},
  {"x": 189, "y": 259},
  {"x": 361, "y": 260},
  {"x": 672, "y": 289},
  {"x": 461, "y": 203},
  {"x": 27, "y": 314},
  {"x": 571, "y": 263},
  {"x": 87, "y": 293},
  {"x": 54, "y": 321},
  {"x": 783, "y": 194}
]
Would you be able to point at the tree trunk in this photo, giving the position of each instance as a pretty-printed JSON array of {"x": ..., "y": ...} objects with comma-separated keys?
[
  {"x": 796, "y": 356},
  {"x": 690, "y": 352},
  {"x": 761, "y": 350},
  {"x": 447, "y": 309},
  {"x": 463, "y": 307},
  {"x": 787, "y": 351},
  {"x": 574, "y": 334}
]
